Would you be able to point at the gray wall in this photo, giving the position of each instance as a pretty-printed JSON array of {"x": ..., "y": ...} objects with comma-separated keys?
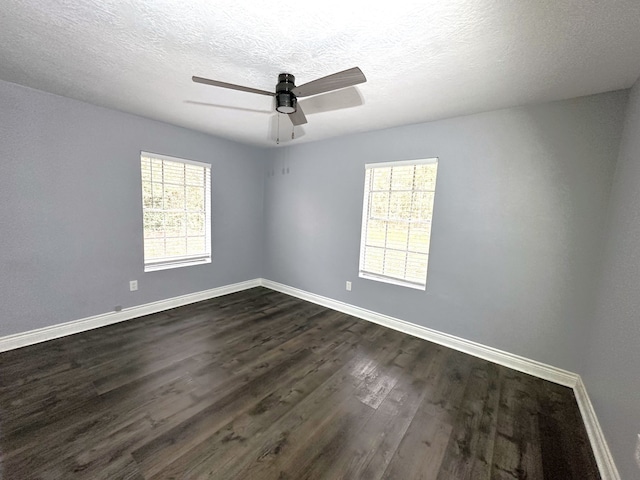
[
  {"x": 517, "y": 232},
  {"x": 612, "y": 373},
  {"x": 71, "y": 213}
]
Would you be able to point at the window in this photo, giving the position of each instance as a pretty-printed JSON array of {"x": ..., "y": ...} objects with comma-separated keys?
[
  {"x": 176, "y": 199},
  {"x": 396, "y": 221}
]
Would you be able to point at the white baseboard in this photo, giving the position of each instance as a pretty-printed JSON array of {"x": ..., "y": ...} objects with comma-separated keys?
[
  {"x": 23, "y": 339},
  {"x": 606, "y": 465},
  {"x": 491, "y": 354}
]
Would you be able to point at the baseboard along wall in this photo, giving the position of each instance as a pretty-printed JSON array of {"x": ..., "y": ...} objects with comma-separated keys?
[
  {"x": 31, "y": 337},
  {"x": 601, "y": 450}
]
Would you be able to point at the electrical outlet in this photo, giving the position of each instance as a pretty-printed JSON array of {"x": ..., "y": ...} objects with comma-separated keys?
[
  {"x": 638, "y": 451},
  {"x": 348, "y": 286},
  {"x": 133, "y": 285}
]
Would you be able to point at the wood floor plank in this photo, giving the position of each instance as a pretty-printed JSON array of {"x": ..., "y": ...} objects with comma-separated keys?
[
  {"x": 227, "y": 404},
  {"x": 74, "y": 434},
  {"x": 428, "y": 365},
  {"x": 228, "y": 443},
  {"x": 562, "y": 432},
  {"x": 267, "y": 453},
  {"x": 262, "y": 385},
  {"x": 470, "y": 448},
  {"x": 371, "y": 447},
  {"x": 232, "y": 398},
  {"x": 517, "y": 453},
  {"x": 274, "y": 454},
  {"x": 421, "y": 450}
]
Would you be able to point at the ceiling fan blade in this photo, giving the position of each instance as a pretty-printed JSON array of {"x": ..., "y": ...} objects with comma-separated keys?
[
  {"x": 346, "y": 78},
  {"x": 232, "y": 86},
  {"x": 297, "y": 117}
]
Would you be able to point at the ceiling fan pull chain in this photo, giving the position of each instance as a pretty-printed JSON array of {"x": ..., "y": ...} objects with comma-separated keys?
[
  {"x": 278, "y": 133},
  {"x": 293, "y": 136}
]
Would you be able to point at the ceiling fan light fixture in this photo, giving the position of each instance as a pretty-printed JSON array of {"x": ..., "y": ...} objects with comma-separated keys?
[
  {"x": 286, "y": 92},
  {"x": 286, "y": 102}
]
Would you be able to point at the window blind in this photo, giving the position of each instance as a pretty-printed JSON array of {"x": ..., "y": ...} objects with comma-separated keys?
[
  {"x": 176, "y": 199},
  {"x": 396, "y": 221}
]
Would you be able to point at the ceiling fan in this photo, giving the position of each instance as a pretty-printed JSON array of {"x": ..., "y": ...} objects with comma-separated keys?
[{"x": 286, "y": 92}]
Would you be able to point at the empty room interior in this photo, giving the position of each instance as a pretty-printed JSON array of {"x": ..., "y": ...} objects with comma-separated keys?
[{"x": 335, "y": 240}]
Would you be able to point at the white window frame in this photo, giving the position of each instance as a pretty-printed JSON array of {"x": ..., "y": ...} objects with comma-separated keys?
[
  {"x": 363, "y": 233},
  {"x": 183, "y": 260}
]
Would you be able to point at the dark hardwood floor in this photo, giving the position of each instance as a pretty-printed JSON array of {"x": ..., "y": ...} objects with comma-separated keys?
[{"x": 260, "y": 385}]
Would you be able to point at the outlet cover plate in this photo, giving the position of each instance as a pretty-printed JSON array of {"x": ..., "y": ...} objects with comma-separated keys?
[{"x": 133, "y": 285}]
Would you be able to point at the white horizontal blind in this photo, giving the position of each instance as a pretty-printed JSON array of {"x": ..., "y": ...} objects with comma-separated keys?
[
  {"x": 396, "y": 221},
  {"x": 176, "y": 199}
]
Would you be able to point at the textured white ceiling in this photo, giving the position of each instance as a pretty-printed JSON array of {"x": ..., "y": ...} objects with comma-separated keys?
[{"x": 423, "y": 60}]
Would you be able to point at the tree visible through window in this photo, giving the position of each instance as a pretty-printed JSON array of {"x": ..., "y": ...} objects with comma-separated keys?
[
  {"x": 176, "y": 198},
  {"x": 396, "y": 221}
]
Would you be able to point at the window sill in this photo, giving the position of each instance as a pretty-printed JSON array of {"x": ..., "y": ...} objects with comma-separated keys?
[
  {"x": 392, "y": 281},
  {"x": 152, "y": 267}
]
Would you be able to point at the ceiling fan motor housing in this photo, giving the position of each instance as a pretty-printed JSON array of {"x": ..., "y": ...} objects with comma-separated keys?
[{"x": 285, "y": 99}]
